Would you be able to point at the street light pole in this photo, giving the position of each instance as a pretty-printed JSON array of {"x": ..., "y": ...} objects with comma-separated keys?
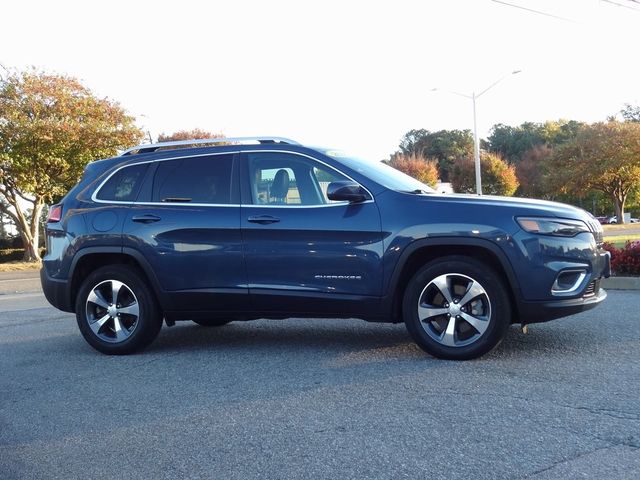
[
  {"x": 476, "y": 148},
  {"x": 476, "y": 139}
]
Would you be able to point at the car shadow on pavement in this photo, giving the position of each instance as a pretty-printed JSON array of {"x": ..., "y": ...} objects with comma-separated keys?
[
  {"x": 276, "y": 335},
  {"x": 322, "y": 336}
]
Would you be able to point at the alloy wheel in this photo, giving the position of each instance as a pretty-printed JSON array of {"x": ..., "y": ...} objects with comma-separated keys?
[
  {"x": 454, "y": 310},
  {"x": 112, "y": 311}
]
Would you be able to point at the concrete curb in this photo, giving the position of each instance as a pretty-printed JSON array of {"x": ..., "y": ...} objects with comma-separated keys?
[{"x": 621, "y": 283}]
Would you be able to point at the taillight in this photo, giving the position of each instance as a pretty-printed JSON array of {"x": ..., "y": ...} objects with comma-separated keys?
[{"x": 55, "y": 214}]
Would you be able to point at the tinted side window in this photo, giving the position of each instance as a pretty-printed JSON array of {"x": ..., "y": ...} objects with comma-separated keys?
[
  {"x": 194, "y": 180},
  {"x": 123, "y": 186}
]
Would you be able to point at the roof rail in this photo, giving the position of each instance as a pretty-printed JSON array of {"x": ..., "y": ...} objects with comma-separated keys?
[{"x": 152, "y": 147}]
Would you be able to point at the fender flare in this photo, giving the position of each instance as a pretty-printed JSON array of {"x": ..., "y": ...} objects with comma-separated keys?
[
  {"x": 498, "y": 253},
  {"x": 125, "y": 251}
]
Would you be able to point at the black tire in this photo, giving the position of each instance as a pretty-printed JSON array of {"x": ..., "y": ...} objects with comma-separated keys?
[
  {"x": 122, "y": 333},
  {"x": 211, "y": 322},
  {"x": 449, "y": 335}
]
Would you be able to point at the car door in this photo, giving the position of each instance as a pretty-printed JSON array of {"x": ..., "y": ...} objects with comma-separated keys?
[
  {"x": 297, "y": 241},
  {"x": 186, "y": 225}
]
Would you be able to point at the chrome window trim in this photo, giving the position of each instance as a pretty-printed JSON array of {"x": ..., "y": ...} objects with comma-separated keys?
[
  {"x": 183, "y": 157},
  {"x": 322, "y": 205},
  {"x": 186, "y": 204}
]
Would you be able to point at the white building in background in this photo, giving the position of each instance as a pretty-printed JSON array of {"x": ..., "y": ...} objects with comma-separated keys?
[{"x": 444, "y": 187}]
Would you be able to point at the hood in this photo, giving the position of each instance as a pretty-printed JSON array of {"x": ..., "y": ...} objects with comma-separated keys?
[{"x": 525, "y": 206}]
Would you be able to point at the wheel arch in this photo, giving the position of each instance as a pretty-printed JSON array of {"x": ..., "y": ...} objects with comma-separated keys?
[
  {"x": 89, "y": 259},
  {"x": 423, "y": 251}
]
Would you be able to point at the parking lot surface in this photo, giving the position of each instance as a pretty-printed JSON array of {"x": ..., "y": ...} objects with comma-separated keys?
[{"x": 319, "y": 399}]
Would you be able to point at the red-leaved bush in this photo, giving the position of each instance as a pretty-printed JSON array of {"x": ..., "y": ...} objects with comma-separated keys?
[{"x": 626, "y": 260}]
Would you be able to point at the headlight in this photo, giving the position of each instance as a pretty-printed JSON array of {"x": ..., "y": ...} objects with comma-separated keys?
[{"x": 550, "y": 226}]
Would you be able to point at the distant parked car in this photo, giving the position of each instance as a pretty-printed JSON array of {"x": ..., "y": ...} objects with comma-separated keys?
[
  {"x": 602, "y": 220},
  {"x": 614, "y": 219}
]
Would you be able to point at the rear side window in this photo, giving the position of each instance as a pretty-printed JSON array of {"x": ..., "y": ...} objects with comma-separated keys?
[
  {"x": 194, "y": 180},
  {"x": 123, "y": 186}
]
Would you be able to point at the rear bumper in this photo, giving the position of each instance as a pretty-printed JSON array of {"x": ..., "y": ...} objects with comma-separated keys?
[
  {"x": 56, "y": 291},
  {"x": 538, "y": 312}
]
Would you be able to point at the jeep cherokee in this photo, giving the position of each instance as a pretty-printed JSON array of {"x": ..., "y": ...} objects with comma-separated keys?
[{"x": 268, "y": 228}]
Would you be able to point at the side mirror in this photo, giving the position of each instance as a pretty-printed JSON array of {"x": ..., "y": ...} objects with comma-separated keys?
[{"x": 346, "y": 190}]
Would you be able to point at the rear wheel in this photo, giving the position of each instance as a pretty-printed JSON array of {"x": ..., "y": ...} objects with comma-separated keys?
[
  {"x": 456, "y": 308},
  {"x": 116, "y": 311}
]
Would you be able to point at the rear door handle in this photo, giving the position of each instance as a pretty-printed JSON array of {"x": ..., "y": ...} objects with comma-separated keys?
[
  {"x": 146, "y": 218},
  {"x": 263, "y": 219}
]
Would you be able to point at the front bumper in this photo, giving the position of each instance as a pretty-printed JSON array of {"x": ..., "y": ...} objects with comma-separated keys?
[
  {"x": 538, "y": 312},
  {"x": 56, "y": 292}
]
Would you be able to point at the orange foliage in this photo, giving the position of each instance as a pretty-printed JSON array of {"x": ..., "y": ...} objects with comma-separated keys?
[
  {"x": 416, "y": 166},
  {"x": 194, "y": 134}
]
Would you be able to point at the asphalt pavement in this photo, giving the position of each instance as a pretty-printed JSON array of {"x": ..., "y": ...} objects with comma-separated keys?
[
  {"x": 27, "y": 281},
  {"x": 327, "y": 399}
]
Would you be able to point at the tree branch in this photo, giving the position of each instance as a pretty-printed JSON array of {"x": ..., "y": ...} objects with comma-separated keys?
[
  {"x": 24, "y": 197},
  {"x": 8, "y": 212},
  {"x": 11, "y": 185}
]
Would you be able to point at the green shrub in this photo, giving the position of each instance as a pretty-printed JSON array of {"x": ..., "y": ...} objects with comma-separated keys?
[
  {"x": 11, "y": 242},
  {"x": 11, "y": 255},
  {"x": 14, "y": 254}
]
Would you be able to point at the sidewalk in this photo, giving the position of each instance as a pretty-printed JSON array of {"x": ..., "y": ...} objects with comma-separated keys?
[
  {"x": 23, "y": 281},
  {"x": 621, "y": 283}
]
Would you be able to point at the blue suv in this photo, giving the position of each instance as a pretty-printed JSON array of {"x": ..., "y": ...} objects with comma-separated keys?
[{"x": 220, "y": 230}]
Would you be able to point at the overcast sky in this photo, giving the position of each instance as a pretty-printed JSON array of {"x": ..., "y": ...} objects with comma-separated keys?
[{"x": 350, "y": 74}]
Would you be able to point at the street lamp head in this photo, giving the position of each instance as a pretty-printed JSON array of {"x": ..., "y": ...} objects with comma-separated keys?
[{"x": 516, "y": 71}]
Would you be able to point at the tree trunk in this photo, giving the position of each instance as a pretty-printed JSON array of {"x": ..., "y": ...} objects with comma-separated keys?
[
  {"x": 31, "y": 253},
  {"x": 619, "y": 200},
  {"x": 33, "y": 250},
  {"x": 27, "y": 228},
  {"x": 30, "y": 231}
]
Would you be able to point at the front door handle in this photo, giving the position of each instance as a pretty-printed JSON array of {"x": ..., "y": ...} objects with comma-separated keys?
[
  {"x": 146, "y": 218},
  {"x": 263, "y": 219}
]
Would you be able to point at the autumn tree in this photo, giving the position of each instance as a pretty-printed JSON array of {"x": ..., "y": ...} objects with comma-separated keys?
[
  {"x": 630, "y": 113},
  {"x": 416, "y": 166},
  {"x": 498, "y": 177},
  {"x": 512, "y": 143},
  {"x": 530, "y": 171},
  {"x": 194, "y": 134},
  {"x": 604, "y": 157},
  {"x": 51, "y": 126},
  {"x": 445, "y": 146}
]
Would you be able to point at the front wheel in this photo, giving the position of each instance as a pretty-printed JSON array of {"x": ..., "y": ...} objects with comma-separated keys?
[
  {"x": 456, "y": 308},
  {"x": 116, "y": 311}
]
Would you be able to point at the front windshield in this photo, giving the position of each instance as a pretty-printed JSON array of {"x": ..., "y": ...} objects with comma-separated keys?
[{"x": 381, "y": 173}]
